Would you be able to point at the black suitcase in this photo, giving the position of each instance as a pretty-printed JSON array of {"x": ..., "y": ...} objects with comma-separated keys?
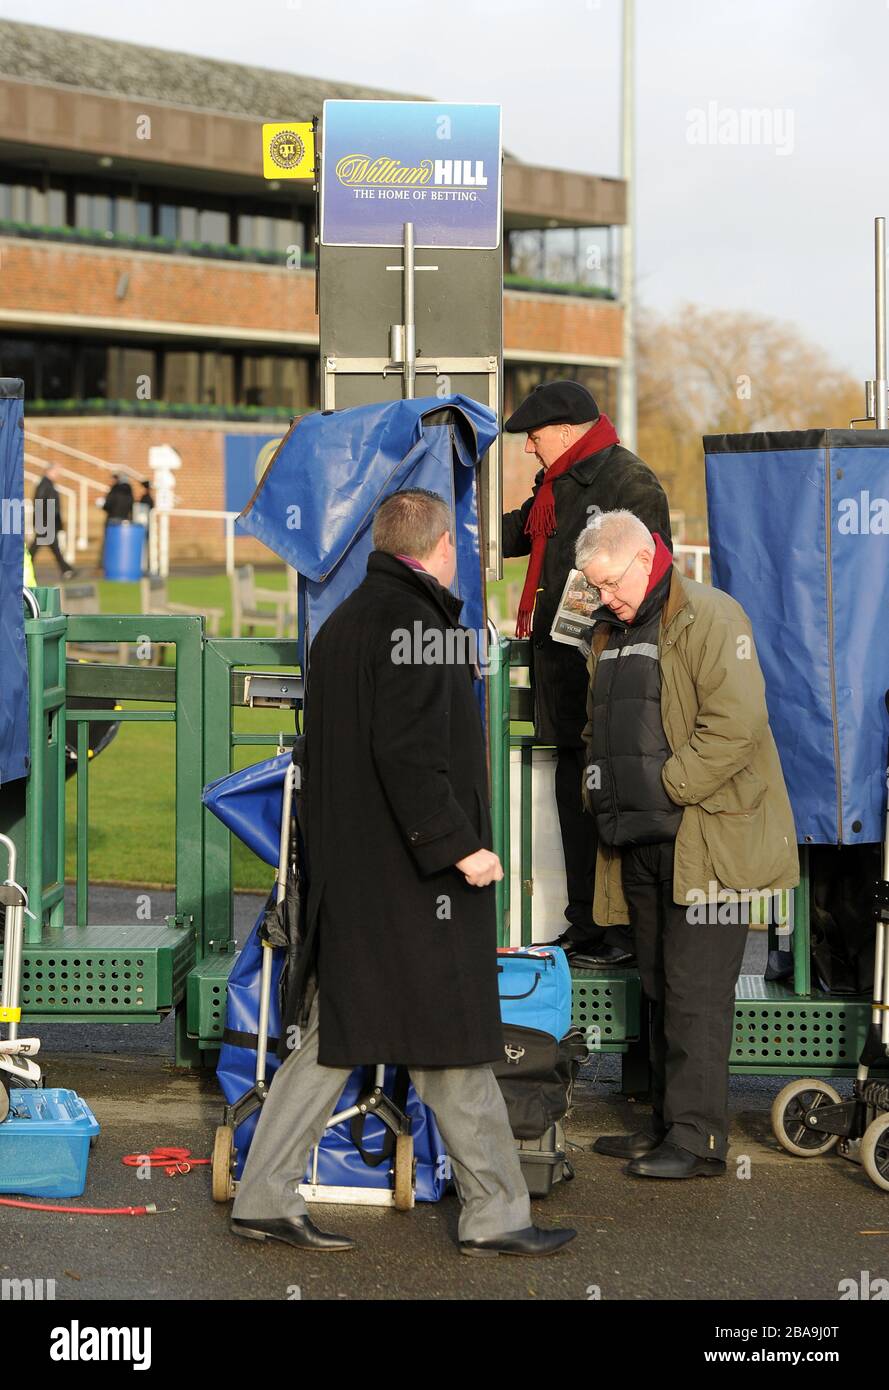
[
  {"x": 536, "y": 1077},
  {"x": 544, "y": 1161}
]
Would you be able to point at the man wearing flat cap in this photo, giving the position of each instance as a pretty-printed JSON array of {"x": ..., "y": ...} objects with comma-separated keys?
[{"x": 583, "y": 470}]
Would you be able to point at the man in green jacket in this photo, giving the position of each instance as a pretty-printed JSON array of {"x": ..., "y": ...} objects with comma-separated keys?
[{"x": 683, "y": 778}]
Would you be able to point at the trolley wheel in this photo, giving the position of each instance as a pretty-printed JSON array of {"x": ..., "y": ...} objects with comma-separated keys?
[
  {"x": 788, "y": 1109},
  {"x": 875, "y": 1151},
  {"x": 4, "y": 1098},
  {"x": 405, "y": 1172},
  {"x": 223, "y": 1148}
]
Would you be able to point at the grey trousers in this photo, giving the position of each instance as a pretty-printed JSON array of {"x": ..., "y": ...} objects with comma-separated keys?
[{"x": 469, "y": 1109}]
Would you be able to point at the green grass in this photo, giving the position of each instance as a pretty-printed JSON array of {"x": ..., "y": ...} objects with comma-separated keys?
[{"x": 131, "y": 784}]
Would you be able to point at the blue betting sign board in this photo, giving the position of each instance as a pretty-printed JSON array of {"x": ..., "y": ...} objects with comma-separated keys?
[{"x": 435, "y": 164}]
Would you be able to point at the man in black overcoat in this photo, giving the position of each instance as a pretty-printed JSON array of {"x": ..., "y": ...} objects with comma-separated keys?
[
  {"x": 584, "y": 469},
  {"x": 401, "y": 896},
  {"x": 48, "y": 519}
]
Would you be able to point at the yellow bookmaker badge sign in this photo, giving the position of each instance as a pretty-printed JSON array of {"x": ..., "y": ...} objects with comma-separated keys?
[{"x": 288, "y": 150}]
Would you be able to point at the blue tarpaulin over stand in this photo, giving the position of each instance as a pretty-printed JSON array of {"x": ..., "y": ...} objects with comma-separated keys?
[
  {"x": 799, "y": 535},
  {"x": 14, "y": 741},
  {"x": 316, "y": 501}
]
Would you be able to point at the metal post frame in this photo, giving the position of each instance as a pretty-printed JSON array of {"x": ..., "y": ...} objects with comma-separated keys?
[
  {"x": 186, "y": 632},
  {"x": 221, "y": 658}
]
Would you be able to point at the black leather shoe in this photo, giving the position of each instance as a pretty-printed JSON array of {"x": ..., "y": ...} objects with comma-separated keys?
[
  {"x": 602, "y": 957},
  {"x": 295, "y": 1230},
  {"x": 570, "y": 945},
  {"x": 531, "y": 1241},
  {"x": 669, "y": 1161},
  {"x": 627, "y": 1145}
]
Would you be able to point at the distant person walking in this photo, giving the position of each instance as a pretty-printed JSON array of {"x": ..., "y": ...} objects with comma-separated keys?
[{"x": 48, "y": 520}]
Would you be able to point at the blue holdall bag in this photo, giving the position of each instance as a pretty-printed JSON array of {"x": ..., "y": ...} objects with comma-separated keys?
[
  {"x": 347, "y": 1158},
  {"x": 535, "y": 988}
]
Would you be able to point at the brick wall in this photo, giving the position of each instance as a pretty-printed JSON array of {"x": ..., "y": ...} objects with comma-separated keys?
[
  {"x": 136, "y": 290},
  {"x": 44, "y": 278},
  {"x": 562, "y": 324},
  {"x": 200, "y": 481}
]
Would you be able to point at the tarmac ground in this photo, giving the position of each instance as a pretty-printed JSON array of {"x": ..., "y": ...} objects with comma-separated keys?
[{"x": 773, "y": 1229}]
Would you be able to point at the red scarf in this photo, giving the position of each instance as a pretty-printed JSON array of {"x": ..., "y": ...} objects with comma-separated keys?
[
  {"x": 663, "y": 560},
  {"x": 541, "y": 523}
]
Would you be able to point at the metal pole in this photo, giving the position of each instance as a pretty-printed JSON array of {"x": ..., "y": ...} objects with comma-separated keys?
[
  {"x": 626, "y": 400},
  {"x": 881, "y": 403},
  {"x": 230, "y": 544},
  {"x": 410, "y": 338}
]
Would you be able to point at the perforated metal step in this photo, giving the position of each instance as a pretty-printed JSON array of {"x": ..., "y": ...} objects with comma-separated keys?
[
  {"x": 606, "y": 1006},
  {"x": 207, "y": 985},
  {"x": 106, "y": 972}
]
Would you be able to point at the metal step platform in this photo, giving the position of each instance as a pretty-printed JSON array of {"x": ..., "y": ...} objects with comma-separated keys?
[{"x": 132, "y": 974}]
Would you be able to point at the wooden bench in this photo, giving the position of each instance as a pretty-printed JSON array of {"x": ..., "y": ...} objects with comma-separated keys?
[
  {"x": 153, "y": 595},
  {"x": 246, "y": 598},
  {"x": 80, "y": 597}
]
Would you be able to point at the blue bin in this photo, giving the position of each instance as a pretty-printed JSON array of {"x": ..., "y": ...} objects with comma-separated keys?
[
  {"x": 45, "y": 1143},
  {"x": 124, "y": 547}
]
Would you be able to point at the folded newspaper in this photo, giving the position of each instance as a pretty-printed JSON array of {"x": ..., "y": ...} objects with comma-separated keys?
[{"x": 574, "y": 620}]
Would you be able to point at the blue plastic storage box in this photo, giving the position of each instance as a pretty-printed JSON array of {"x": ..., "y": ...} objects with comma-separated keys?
[{"x": 45, "y": 1143}]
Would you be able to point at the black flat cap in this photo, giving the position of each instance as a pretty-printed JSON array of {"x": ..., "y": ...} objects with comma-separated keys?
[{"x": 553, "y": 403}]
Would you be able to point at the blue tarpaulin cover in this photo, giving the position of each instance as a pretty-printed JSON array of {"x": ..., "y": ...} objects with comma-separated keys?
[
  {"x": 14, "y": 742},
  {"x": 799, "y": 535},
  {"x": 249, "y": 802},
  {"x": 315, "y": 503}
]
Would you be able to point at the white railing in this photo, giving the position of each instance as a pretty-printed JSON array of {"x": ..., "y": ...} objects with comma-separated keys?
[
  {"x": 159, "y": 536},
  {"x": 700, "y": 554},
  {"x": 82, "y": 512},
  {"x": 66, "y": 449}
]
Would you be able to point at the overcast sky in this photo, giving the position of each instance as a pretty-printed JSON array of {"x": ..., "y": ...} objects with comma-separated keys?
[{"x": 777, "y": 219}]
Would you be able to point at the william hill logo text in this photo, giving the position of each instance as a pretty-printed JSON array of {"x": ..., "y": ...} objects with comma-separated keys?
[{"x": 383, "y": 177}]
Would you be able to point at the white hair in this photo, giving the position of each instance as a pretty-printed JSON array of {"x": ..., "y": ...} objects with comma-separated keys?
[{"x": 611, "y": 533}]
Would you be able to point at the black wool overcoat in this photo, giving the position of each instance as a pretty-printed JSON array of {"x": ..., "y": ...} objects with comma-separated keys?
[{"x": 396, "y": 792}]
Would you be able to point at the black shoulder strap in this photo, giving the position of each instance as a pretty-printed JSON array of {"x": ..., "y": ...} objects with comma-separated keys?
[{"x": 356, "y": 1124}]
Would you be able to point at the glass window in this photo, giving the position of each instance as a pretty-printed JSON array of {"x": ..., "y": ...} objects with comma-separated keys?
[
  {"x": 19, "y": 203},
  {"x": 94, "y": 372},
  {"x": 94, "y": 212},
  {"x": 217, "y": 378},
  {"x": 133, "y": 374},
  {"x": 257, "y": 381},
  {"x": 280, "y": 381},
  {"x": 520, "y": 378},
  {"x": 288, "y": 233},
  {"x": 56, "y": 364},
  {"x": 167, "y": 221},
  {"x": 188, "y": 224},
  {"x": 56, "y": 208},
  {"x": 143, "y": 218},
  {"x": 182, "y": 377},
  {"x": 213, "y": 227},
  {"x": 18, "y": 357}
]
